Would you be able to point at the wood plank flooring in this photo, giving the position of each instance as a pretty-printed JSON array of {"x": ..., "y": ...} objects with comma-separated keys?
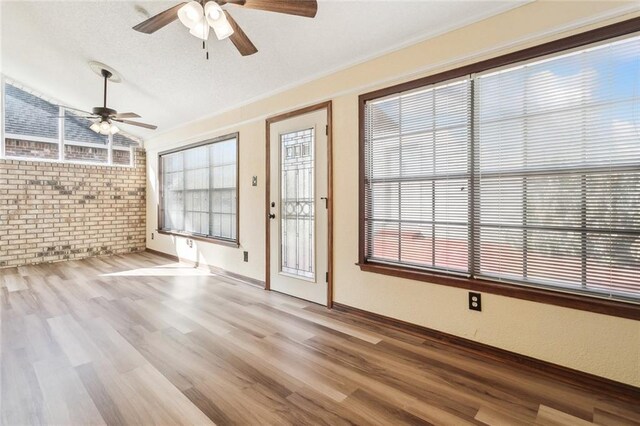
[{"x": 138, "y": 339}]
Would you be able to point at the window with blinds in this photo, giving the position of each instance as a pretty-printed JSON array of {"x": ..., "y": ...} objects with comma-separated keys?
[
  {"x": 527, "y": 174},
  {"x": 417, "y": 177},
  {"x": 199, "y": 190}
]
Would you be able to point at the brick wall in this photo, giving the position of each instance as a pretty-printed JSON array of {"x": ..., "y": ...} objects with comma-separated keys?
[{"x": 59, "y": 211}]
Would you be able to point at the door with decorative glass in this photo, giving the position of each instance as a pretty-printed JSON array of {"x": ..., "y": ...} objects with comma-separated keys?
[{"x": 298, "y": 210}]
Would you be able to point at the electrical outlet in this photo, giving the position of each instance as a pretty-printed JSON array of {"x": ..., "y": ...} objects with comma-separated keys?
[
  {"x": 190, "y": 243},
  {"x": 152, "y": 236},
  {"x": 475, "y": 301},
  {"x": 246, "y": 256},
  {"x": 254, "y": 181}
]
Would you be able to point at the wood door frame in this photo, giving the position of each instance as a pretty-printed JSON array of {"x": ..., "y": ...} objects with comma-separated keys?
[{"x": 281, "y": 117}]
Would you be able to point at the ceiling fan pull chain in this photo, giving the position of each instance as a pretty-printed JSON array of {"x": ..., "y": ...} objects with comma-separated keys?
[
  {"x": 206, "y": 51},
  {"x": 204, "y": 42}
]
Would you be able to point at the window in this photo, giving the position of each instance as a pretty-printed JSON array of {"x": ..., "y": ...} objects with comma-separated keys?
[
  {"x": 37, "y": 129},
  {"x": 199, "y": 190},
  {"x": 81, "y": 143},
  {"x": 417, "y": 170},
  {"x": 122, "y": 149},
  {"x": 30, "y": 126},
  {"x": 558, "y": 170},
  {"x": 527, "y": 174}
]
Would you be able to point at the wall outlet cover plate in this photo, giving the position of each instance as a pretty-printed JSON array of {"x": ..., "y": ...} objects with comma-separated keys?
[{"x": 475, "y": 301}]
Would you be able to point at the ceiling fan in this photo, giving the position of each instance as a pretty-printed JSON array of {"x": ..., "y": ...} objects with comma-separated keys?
[
  {"x": 200, "y": 15},
  {"x": 104, "y": 117}
]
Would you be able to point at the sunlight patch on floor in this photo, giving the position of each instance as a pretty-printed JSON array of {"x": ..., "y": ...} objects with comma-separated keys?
[{"x": 168, "y": 270}]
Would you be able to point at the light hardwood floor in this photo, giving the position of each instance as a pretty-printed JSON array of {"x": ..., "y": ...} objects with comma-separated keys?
[{"x": 138, "y": 339}]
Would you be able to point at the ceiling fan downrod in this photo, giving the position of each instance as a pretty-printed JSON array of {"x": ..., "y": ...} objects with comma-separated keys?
[
  {"x": 106, "y": 74},
  {"x": 103, "y": 111}
]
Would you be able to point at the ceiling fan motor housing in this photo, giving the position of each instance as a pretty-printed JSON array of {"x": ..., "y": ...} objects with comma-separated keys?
[{"x": 104, "y": 112}]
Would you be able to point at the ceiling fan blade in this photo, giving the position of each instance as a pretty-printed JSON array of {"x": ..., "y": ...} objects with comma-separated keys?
[
  {"x": 76, "y": 109},
  {"x": 239, "y": 38},
  {"x": 126, "y": 115},
  {"x": 154, "y": 23},
  {"x": 135, "y": 123},
  {"x": 88, "y": 117},
  {"x": 307, "y": 8}
]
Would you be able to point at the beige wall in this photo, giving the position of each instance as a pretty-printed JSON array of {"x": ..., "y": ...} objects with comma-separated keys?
[
  {"x": 251, "y": 198},
  {"x": 593, "y": 343}
]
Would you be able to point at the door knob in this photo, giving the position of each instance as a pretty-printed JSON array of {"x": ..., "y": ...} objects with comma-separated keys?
[{"x": 272, "y": 215}]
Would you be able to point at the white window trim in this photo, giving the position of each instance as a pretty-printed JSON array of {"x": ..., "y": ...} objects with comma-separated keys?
[
  {"x": 60, "y": 141},
  {"x": 32, "y": 138}
]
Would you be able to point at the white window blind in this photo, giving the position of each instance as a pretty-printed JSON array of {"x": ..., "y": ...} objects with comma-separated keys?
[
  {"x": 417, "y": 177},
  {"x": 199, "y": 194},
  {"x": 558, "y": 166},
  {"x": 528, "y": 174}
]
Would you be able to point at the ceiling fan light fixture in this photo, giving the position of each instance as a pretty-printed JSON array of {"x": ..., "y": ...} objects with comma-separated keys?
[
  {"x": 105, "y": 126},
  {"x": 221, "y": 26},
  {"x": 201, "y": 29},
  {"x": 223, "y": 30},
  {"x": 190, "y": 14},
  {"x": 212, "y": 11}
]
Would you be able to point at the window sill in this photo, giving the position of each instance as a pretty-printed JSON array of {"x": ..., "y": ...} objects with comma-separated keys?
[
  {"x": 227, "y": 243},
  {"x": 594, "y": 304}
]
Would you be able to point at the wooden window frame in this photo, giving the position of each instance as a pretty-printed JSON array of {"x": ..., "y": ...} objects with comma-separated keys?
[
  {"x": 206, "y": 238},
  {"x": 558, "y": 297}
]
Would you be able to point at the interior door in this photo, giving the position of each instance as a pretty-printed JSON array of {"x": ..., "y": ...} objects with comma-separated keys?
[{"x": 298, "y": 225}]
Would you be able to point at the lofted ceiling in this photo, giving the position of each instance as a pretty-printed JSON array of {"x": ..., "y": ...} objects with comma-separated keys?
[{"x": 46, "y": 46}]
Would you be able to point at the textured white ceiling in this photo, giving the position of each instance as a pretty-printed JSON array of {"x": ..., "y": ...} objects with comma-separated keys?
[{"x": 46, "y": 46}]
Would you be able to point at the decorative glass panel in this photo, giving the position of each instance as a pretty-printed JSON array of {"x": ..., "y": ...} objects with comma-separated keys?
[{"x": 297, "y": 209}]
